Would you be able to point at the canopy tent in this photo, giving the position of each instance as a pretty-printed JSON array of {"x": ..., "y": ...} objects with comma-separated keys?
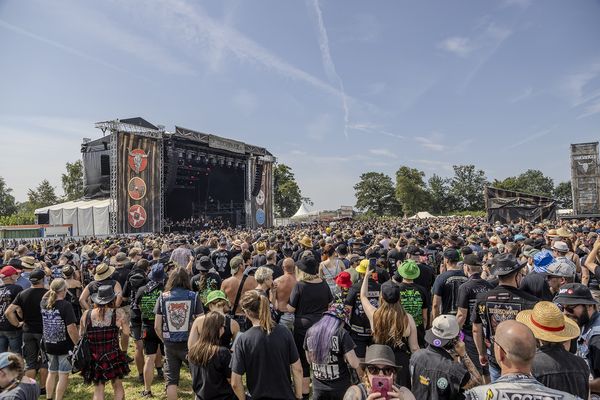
[
  {"x": 88, "y": 217},
  {"x": 422, "y": 215},
  {"x": 304, "y": 214}
]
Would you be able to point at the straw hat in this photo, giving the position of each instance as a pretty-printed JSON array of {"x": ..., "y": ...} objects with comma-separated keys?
[
  {"x": 103, "y": 271},
  {"x": 29, "y": 262},
  {"x": 548, "y": 323},
  {"x": 306, "y": 242},
  {"x": 564, "y": 232}
]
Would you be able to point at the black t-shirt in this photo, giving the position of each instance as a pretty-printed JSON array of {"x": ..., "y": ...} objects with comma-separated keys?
[
  {"x": 94, "y": 285},
  {"x": 145, "y": 302},
  {"x": 446, "y": 286},
  {"x": 7, "y": 295},
  {"x": 333, "y": 375},
  {"x": 467, "y": 297},
  {"x": 556, "y": 368},
  {"x": 536, "y": 285},
  {"x": 310, "y": 300},
  {"x": 500, "y": 304},
  {"x": 359, "y": 323},
  {"x": 256, "y": 351},
  {"x": 212, "y": 282},
  {"x": 129, "y": 289},
  {"x": 55, "y": 322},
  {"x": 29, "y": 300},
  {"x": 277, "y": 270},
  {"x": 426, "y": 277},
  {"x": 220, "y": 259},
  {"x": 121, "y": 274},
  {"x": 210, "y": 381},
  {"x": 414, "y": 300}
]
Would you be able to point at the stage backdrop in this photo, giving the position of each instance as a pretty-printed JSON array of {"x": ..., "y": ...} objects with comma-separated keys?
[{"x": 138, "y": 183}]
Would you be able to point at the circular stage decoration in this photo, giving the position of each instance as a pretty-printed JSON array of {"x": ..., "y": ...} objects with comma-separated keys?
[
  {"x": 260, "y": 216},
  {"x": 137, "y": 160},
  {"x": 136, "y": 216},
  {"x": 136, "y": 188},
  {"x": 260, "y": 198}
]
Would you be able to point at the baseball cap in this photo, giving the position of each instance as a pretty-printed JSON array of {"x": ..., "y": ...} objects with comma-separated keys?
[
  {"x": 560, "y": 246},
  {"x": 37, "y": 275},
  {"x": 414, "y": 250},
  {"x": 204, "y": 264},
  {"x": 563, "y": 268},
  {"x": 451, "y": 255},
  {"x": 390, "y": 292},
  {"x": 574, "y": 294},
  {"x": 443, "y": 329},
  {"x": 7, "y": 271},
  {"x": 472, "y": 259}
]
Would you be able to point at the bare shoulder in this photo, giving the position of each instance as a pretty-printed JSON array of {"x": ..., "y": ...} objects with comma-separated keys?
[{"x": 353, "y": 393}]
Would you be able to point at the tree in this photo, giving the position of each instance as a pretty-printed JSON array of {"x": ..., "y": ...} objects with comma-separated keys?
[
  {"x": 531, "y": 181},
  {"x": 72, "y": 181},
  {"x": 441, "y": 201},
  {"x": 564, "y": 195},
  {"x": 410, "y": 190},
  {"x": 467, "y": 187},
  {"x": 7, "y": 200},
  {"x": 375, "y": 194},
  {"x": 288, "y": 196},
  {"x": 41, "y": 196}
]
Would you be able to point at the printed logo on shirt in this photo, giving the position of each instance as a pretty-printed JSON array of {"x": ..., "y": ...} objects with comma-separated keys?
[
  {"x": 54, "y": 326},
  {"x": 178, "y": 315},
  {"x": 413, "y": 304},
  {"x": 499, "y": 312},
  {"x": 423, "y": 380},
  {"x": 527, "y": 395}
]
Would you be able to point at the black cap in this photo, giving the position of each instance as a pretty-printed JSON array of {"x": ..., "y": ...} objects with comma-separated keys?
[
  {"x": 505, "y": 264},
  {"x": 452, "y": 255},
  {"x": 37, "y": 275},
  {"x": 574, "y": 294},
  {"x": 472, "y": 259},
  {"x": 308, "y": 264},
  {"x": 390, "y": 292},
  {"x": 204, "y": 264},
  {"x": 414, "y": 251}
]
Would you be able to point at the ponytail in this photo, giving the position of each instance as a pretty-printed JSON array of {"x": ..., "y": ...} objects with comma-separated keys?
[
  {"x": 256, "y": 306},
  {"x": 57, "y": 285}
]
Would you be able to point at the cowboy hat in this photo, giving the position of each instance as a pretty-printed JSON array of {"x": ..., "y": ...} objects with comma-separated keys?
[
  {"x": 306, "y": 242},
  {"x": 28, "y": 262},
  {"x": 548, "y": 323},
  {"x": 564, "y": 232},
  {"x": 380, "y": 354},
  {"x": 104, "y": 295},
  {"x": 103, "y": 271}
]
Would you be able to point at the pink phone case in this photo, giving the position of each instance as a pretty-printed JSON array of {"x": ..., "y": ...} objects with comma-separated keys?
[{"x": 382, "y": 385}]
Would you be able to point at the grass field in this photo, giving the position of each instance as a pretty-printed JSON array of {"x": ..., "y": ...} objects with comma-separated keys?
[{"x": 78, "y": 390}]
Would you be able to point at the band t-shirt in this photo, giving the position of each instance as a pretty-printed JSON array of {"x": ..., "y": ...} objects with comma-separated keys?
[
  {"x": 333, "y": 375},
  {"x": 446, "y": 286},
  {"x": 55, "y": 322},
  {"x": 29, "y": 300},
  {"x": 220, "y": 259},
  {"x": 255, "y": 352},
  {"x": 467, "y": 297},
  {"x": 359, "y": 323},
  {"x": 414, "y": 300},
  {"x": 7, "y": 295}
]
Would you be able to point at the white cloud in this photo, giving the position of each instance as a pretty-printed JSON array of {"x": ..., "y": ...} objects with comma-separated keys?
[
  {"x": 582, "y": 89},
  {"x": 382, "y": 153},
  {"x": 245, "y": 101},
  {"x": 328, "y": 64},
  {"x": 460, "y": 46},
  {"x": 371, "y": 128},
  {"x": 430, "y": 144}
]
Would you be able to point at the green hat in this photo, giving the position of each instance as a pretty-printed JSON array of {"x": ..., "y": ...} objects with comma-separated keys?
[
  {"x": 409, "y": 270},
  {"x": 216, "y": 295}
]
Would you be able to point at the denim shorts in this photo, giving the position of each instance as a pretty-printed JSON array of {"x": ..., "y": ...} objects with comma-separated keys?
[{"x": 59, "y": 363}]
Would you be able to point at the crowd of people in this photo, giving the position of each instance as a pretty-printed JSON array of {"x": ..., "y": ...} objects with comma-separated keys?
[{"x": 445, "y": 308}]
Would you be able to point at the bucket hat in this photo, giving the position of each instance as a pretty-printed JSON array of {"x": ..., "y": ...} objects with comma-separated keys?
[{"x": 409, "y": 270}]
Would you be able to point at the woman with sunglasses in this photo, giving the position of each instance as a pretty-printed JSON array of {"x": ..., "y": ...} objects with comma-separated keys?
[{"x": 380, "y": 374}]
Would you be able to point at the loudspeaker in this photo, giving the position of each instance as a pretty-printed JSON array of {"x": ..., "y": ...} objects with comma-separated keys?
[
  {"x": 257, "y": 179},
  {"x": 104, "y": 165}
]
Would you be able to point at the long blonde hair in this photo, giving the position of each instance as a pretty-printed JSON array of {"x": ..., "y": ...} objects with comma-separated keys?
[
  {"x": 57, "y": 285},
  {"x": 257, "y": 306},
  {"x": 389, "y": 323}
]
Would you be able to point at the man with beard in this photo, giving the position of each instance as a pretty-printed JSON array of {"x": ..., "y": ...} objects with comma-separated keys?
[{"x": 579, "y": 305}]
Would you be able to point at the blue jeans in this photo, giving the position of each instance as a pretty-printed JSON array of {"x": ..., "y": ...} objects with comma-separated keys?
[{"x": 12, "y": 340}]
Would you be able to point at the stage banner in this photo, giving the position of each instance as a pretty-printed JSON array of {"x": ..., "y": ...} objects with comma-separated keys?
[
  {"x": 262, "y": 203},
  {"x": 138, "y": 183}
]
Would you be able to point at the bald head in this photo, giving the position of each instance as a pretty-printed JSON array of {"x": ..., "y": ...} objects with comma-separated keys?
[
  {"x": 289, "y": 265},
  {"x": 517, "y": 340}
]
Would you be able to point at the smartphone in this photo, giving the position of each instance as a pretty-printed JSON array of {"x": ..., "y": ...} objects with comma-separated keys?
[{"x": 381, "y": 384}]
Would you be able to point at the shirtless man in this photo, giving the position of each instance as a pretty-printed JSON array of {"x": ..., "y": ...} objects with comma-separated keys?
[
  {"x": 283, "y": 288},
  {"x": 231, "y": 285}
]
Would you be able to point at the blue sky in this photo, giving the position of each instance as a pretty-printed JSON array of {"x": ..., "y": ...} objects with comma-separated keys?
[{"x": 332, "y": 88}]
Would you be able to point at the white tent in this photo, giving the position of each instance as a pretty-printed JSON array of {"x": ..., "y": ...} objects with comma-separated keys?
[
  {"x": 304, "y": 214},
  {"x": 422, "y": 215},
  {"x": 88, "y": 217}
]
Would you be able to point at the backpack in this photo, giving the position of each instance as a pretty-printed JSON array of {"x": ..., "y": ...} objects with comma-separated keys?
[{"x": 148, "y": 301}]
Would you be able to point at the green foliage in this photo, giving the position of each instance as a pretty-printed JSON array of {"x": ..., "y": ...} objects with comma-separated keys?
[
  {"x": 531, "y": 181},
  {"x": 22, "y": 218},
  {"x": 467, "y": 187},
  {"x": 72, "y": 181},
  {"x": 43, "y": 195},
  {"x": 7, "y": 200},
  {"x": 564, "y": 195},
  {"x": 441, "y": 200},
  {"x": 288, "y": 196},
  {"x": 411, "y": 190},
  {"x": 375, "y": 195}
]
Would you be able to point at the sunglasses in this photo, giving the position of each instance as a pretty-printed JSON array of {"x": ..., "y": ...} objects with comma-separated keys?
[
  {"x": 569, "y": 309},
  {"x": 374, "y": 370}
]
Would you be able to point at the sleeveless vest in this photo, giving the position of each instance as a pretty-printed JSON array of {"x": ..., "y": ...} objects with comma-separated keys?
[
  {"x": 517, "y": 387},
  {"x": 587, "y": 333},
  {"x": 177, "y": 308}
]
